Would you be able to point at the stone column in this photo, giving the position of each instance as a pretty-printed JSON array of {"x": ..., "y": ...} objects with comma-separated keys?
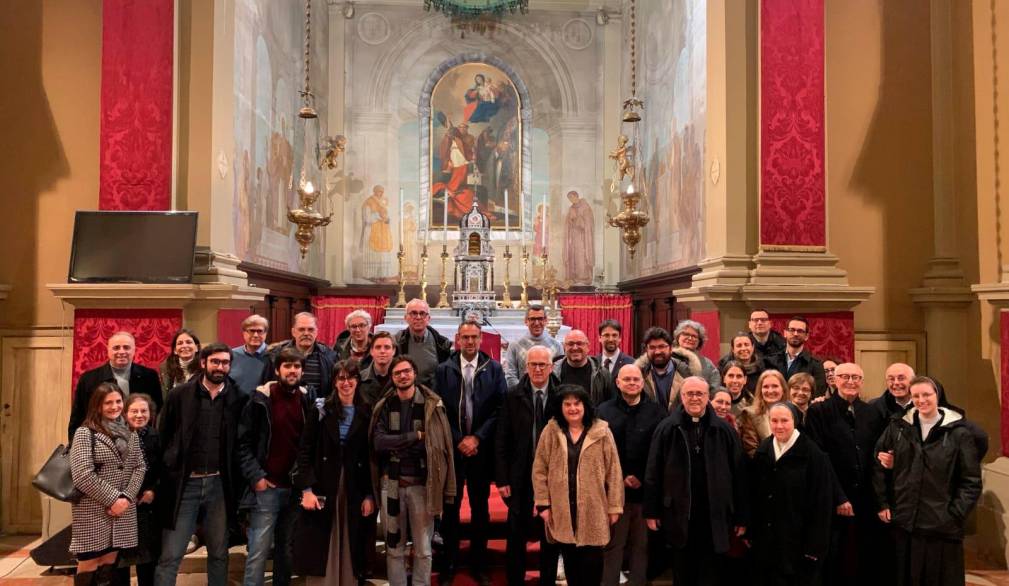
[
  {"x": 944, "y": 296},
  {"x": 336, "y": 231}
]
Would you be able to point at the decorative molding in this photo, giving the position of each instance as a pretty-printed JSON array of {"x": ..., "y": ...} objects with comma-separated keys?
[
  {"x": 373, "y": 28},
  {"x": 576, "y": 34},
  {"x": 136, "y": 296}
]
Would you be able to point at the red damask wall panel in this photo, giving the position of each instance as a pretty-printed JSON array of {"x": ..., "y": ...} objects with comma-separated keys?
[
  {"x": 830, "y": 334},
  {"x": 792, "y": 186},
  {"x": 709, "y": 319},
  {"x": 152, "y": 328},
  {"x": 1004, "y": 357},
  {"x": 229, "y": 326},
  {"x": 136, "y": 107}
]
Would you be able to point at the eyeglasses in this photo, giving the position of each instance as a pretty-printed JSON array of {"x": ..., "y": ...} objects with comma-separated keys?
[
  {"x": 219, "y": 362},
  {"x": 536, "y": 319},
  {"x": 256, "y": 331},
  {"x": 358, "y": 326},
  {"x": 343, "y": 379},
  {"x": 690, "y": 336},
  {"x": 537, "y": 365},
  {"x": 852, "y": 377},
  {"x": 403, "y": 372},
  {"x": 760, "y": 320},
  {"x": 418, "y": 314},
  {"x": 795, "y": 331}
]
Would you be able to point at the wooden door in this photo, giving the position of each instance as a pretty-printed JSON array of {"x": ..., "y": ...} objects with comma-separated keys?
[{"x": 34, "y": 410}]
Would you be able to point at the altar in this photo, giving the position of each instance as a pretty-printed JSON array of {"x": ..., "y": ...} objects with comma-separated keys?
[{"x": 508, "y": 323}]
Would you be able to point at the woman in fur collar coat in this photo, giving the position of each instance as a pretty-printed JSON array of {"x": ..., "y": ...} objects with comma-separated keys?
[{"x": 688, "y": 339}]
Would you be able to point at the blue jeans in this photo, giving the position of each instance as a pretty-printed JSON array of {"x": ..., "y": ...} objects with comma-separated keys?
[
  {"x": 206, "y": 494},
  {"x": 413, "y": 515},
  {"x": 269, "y": 523}
]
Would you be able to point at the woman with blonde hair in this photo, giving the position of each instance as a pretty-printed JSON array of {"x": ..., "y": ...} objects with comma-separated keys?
[{"x": 754, "y": 424}]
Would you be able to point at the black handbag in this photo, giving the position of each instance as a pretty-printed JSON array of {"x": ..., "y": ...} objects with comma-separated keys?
[{"x": 55, "y": 480}]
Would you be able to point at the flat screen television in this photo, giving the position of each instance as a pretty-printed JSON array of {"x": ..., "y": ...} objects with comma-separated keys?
[{"x": 133, "y": 247}]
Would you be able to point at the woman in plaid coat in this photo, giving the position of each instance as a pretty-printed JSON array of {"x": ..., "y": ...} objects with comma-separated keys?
[{"x": 107, "y": 465}]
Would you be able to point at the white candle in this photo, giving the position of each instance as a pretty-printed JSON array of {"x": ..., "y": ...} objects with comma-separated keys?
[
  {"x": 401, "y": 223},
  {"x": 543, "y": 225},
  {"x": 522, "y": 216},
  {"x": 506, "y": 214},
  {"x": 444, "y": 218},
  {"x": 427, "y": 225}
]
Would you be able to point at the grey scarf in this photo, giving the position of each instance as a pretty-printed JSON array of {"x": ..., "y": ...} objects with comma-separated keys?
[{"x": 120, "y": 433}]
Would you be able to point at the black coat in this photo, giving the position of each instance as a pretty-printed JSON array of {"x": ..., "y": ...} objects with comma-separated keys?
[
  {"x": 849, "y": 444},
  {"x": 667, "y": 487},
  {"x": 327, "y": 358},
  {"x": 177, "y": 424},
  {"x": 792, "y": 506},
  {"x": 371, "y": 388},
  {"x": 254, "y": 434},
  {"x": 887, "y": 406},
  {"x": 934, "y": 483},
  {"x": 489, "y": 389},
  {"x": 804, "y": 362},
  {"x": 513, "y": 446},
  {"x": 341, "y": 347},
  {"x": 775, "y": 344},
  {"x": 322, "y": 461},
  {"x": 142, "y": 380},
  {"x": 148, "y": 524},
  {"x": 632, "y": 428}
]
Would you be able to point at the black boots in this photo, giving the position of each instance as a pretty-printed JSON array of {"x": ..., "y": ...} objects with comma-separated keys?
[{"x": 84, "y": 578}]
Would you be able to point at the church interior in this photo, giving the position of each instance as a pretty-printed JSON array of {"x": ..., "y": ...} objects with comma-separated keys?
[{"x": 643, "y": 160}]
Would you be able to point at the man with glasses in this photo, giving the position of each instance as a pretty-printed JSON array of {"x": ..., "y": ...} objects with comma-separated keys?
[
  {"x": 408, "y": 426},
  {"x": 578, "y": 368},
  {"x": 663, "y": 373},
  {"x": 846, "y": 429},
  {"x": 524, "y": 413},
  {"x": 797, "y": 358},
  {"x": 355, "y": 341},
  {"x": 421, "y": 342},
  {"x": 766, "y": 341},
  {"x": 249, "y": 360},
  {"x": 319, "y": 358},
  {"x": 515, "y": 357}
]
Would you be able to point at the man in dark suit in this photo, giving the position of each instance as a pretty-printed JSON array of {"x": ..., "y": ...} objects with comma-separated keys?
[
  {"x": 612, "y": 357},
  {"x": 472, "y": 386},
  {"x": 120, "y": 369},
  {"x": 797, "y": 358},
  {"x": 524, "y": 413}
]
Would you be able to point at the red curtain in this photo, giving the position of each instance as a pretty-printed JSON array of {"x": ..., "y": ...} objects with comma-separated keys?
[
  {"x": 229, "y": 326},
  {"x": 830, "y": 334},
  {"x": 152, "y": 328},
  {"x": 584, "y": 311},
  {"x": 135, "y": 166},
  {"x": 332, "y": 310}
]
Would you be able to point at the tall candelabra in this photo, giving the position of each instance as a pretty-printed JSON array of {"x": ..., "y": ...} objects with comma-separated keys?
[
  {"x": 506, "y": 298},
  {"x": 524, "y": 298},
  {"x": 443, "y": 295},
  {"x": 401, "y": 294},
  {"x": 423, "y": 273}
]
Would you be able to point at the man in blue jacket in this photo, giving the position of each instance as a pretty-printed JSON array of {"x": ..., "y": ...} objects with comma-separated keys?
[{"x": 472, "y": 386}]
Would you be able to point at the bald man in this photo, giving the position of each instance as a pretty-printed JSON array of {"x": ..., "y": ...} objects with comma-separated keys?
[
  {"x": 846, "y": 428},
  {"x": 423, "y": 343},
  {"x": 896, "y": 399},
  {"x": 578, "y": 368},
  {"x": 632, "y": 416},
  {"x": 696, "y": 513}
]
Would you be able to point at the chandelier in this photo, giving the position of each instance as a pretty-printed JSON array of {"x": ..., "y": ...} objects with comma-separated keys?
[
  {"x": 310, "y": 185},
  {"x": 629, "y": 172}
]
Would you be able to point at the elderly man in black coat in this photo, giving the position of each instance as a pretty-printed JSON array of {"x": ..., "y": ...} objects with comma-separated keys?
[
  {"x": 524, "y": 413},
  {"x": 129, "y": 376},
  {"x": 632, "y": 417},
  {"x": 846, "y": 428},
  {"x": 697, "y": 512}
]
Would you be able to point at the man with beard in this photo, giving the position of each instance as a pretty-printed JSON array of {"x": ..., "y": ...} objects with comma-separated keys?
[
  {"x": 375, "y": 378},
  {"x": 612, "y": 357},
  {"x": 319, "y": 358},
  {"x": 472, "y": 385},
  {"x": 268, "y": 438},
  {"x": 662, "y": 372},
  {"x": 200, "y": 475},
  {"x": 515, "y": 358},
  {"x": 413, "y": 461},
  {"x": 846, "y": 428},
  {"x": 766, "y": 341},
  {"x": 797, "y": 358},
  {"x": 524, "y": 413},
  {"x": 580, "y": 369},
  {"x": 696, "y": 511},
  {"x": 632, "y": 418}
]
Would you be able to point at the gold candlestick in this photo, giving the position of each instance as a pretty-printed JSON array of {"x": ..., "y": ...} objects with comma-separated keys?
[
  {"x": 401, "y": 294},
  {"x": 423, "y": 274},
  {"x": 506, "y": 298},
  {"x": 524, "y": 298},
  {"x": 443, "y": 295}
]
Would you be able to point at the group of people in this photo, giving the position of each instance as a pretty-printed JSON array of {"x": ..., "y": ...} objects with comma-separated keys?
[{"x": 767, "y": 467}]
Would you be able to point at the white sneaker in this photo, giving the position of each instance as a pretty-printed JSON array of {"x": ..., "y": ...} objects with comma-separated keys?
[
  {"x": 560, "y": 569},
  {"x": 623, "y": 577}
]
